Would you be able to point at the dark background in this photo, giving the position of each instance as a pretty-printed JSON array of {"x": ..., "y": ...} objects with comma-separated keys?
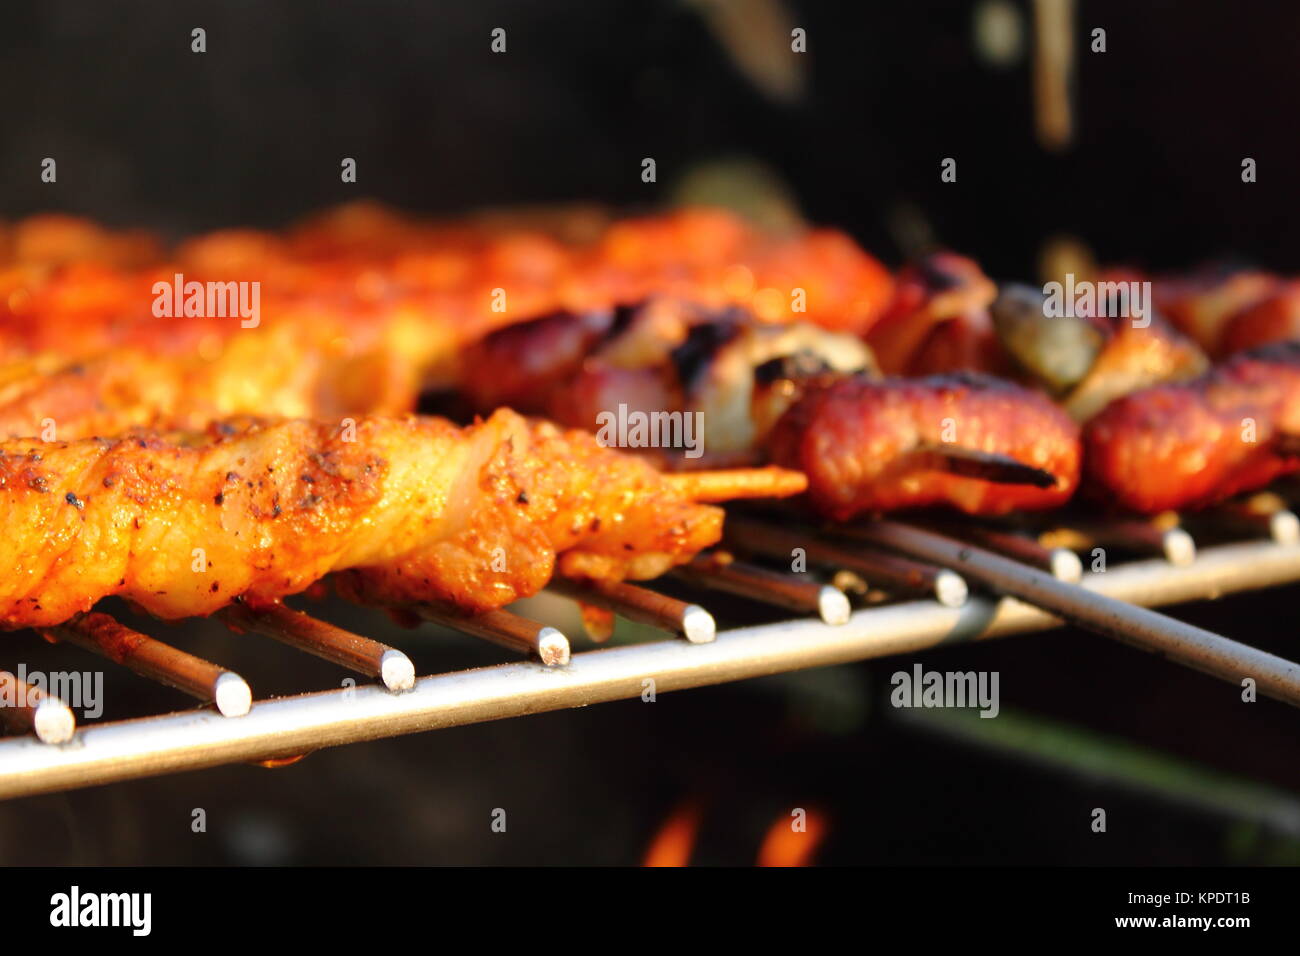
[{"x": 251, "y": 133}]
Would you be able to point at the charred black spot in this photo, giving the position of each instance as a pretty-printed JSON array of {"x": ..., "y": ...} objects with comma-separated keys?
[
  {"x": 936, "y": 277},
  {"x": 219, "y": 499},
  {"x": 308, "y": 501},
  {"x": 800, "y": 365},
  {"x": 216, "y": 586},
  {"x": 521, "y": 498},
  {"x": 702, "y": 343},
  {"x": 622, "y": 319},
  {"x": 595, "y": 524},
  {"x": 305, "y": 476},
  {"x": 38, "y": 483},
  {"x": 232, "y": 476},
  {"x": 108, "y": 481}
]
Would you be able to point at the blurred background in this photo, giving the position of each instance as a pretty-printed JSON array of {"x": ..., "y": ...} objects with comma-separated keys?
[
  {"x": 1135, "y": 153},
  {"x": 252, "y": 131}
]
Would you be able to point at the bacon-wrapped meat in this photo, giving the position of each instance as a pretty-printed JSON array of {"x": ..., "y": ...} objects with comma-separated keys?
[
  {"x": 1193, "y": 444},
  {"x": 899, "y": 443}
]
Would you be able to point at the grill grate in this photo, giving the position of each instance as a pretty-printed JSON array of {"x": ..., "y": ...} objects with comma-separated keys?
[{"x": 551, "y": 679}]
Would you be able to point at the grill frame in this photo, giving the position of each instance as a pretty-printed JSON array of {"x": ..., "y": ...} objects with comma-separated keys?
[{"x": 289, "y": 726}]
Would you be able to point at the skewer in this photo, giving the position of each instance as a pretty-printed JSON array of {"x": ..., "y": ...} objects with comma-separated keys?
[
  {"x": 1060, "y": 563},
  {"x": 1154, "y": 537},
  {"x": 894, "y": 573},
  {"x": 102, "y": 635},
  {"x": 506, "y": 630},
  {"x": 1191, "y": 646},
  {"x": 356, "y": 653},
  {"x": 26, "y": 708},
  {"x": 1263, "y": 515},
  {"x": 639, "y": 604},
  {"x": 985, "y": 465},
  {"x": 721, "y": 571},
  {"x": 732, "y": 483}
]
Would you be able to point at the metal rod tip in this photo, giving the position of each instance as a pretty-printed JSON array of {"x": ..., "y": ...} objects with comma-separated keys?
[
  {"x": 1284, "y": 527},
  {"x": 232, "y": 695},
  {"x": 1179, "y": 548},
  {"x": 552, "y": 647},
  {"x": 950, "y": 588},
  {"x": 396, "y": 670},
  {"x": 53, "y": 721},
  {"x": 1066, "y": 566},
  {"x": 698, "y": 625},
  {"x": 833, "y": 605}
]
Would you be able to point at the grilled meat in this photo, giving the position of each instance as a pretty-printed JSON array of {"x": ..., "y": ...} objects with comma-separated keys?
[
  {"x": 1193, "y": 444},
  {"x": 793, "y": 394},
  {"x": 898, "y": 443},
  {"x": 401, "y": 510}
]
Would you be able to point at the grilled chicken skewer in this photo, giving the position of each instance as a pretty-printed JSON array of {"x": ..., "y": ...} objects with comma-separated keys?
[
  {"x": 359, "y": 310},
  {"x": 800, "y": 396},
  {"x": 404, "y": 511}
]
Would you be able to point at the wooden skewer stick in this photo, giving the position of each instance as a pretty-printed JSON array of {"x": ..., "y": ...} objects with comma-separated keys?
[
  {"x": 1160, "y": 536},
  {"x": 1059, "y": 562},
  {"x": 721, "y": 571},
  {"x": 27, "y": 708},
  {"x": 506, "y": 630},
  {"x": 984, "y": 465},
  {"x": 732, "y": 483},
  {"x": 356, "y": 653},
  {"x": 884, "y": 571},
  {"x": 102, "y": 635},
  {"x": 1140, "y": 627},
  {"x": 639, "y": 604}
]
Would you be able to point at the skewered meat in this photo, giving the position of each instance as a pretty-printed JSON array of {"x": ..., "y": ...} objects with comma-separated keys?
[
  {"x": 405, "y": 510},
  {"x": 898, "y": 443},
  {"x": 795, "y": 394},
  {"x": 1090, "y": 360},
  {"x": 939, "y": 320},
  {"x": 1206, "y": 303},
  {"x": 1193, "y": 444},
  {"x": 1272, "y": 318},
  {"x": 663, "y": 354},
  {"x": 361, "y": 308}
]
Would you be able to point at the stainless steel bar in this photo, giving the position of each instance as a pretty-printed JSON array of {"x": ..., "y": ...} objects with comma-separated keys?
[
  {"x": 149, "y": 657},
  {"x": 509, "y": 631},
  {"x": 1192, "y": 646},
  {"x": 639, "y": 604},
  {"x": 334, "y": 644},
  {"x": 720, "y": 571},
  {"x": 123, "y": 750},
  {"x": 25, "y": 708},
  {"x": 887, "y": 571}
]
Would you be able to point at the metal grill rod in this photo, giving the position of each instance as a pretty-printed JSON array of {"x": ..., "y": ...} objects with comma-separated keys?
[
  {"x": 105, "y": 753},
  {"x": 1191, "y": 646}
]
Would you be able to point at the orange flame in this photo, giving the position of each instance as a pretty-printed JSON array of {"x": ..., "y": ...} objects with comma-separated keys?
[
  {"x": 793, "y": 838},
  {"x": 673, "y": 844}
]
